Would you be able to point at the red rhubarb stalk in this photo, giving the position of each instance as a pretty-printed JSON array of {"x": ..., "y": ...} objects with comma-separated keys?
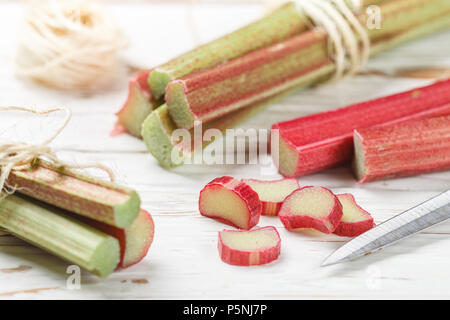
[
  {"x": 401, "y": 150},
  {"x": 355, "y": 220},
  {"x": 324, "y": 140}
]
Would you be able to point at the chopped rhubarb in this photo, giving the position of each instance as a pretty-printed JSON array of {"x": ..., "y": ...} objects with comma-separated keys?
[
  {"x": 311, "y": 207},
  {"x": 324, "y": 140},
  {"x": 249, "y": 248},
  {"x": 277, "y": 26},
  {"x": 401, "y": 150},
  {"x": 135, "y": 240},
  {"x": 230, "y": 201},
  {"x": 272, "y": 193},
  {"x": 355, "y": 219},
  {"x": 82, "y": 194},
  {"x": 138, "y": 106}
]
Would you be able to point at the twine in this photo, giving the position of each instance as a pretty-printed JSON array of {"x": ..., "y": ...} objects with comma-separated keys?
[
  {"x": 21, "y": 156},
  {"x": 348, "y": 38},
  {"x": 70, "y": 44}
]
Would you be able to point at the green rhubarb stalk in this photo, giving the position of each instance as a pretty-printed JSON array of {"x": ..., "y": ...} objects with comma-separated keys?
[
  {"x": 158, "y": 128},
  {"x": 52, "y": 230},
  {"x": 94, "y": 198},
  {"x": 277, "y": 26},
  {"x": 260, "y": 74}
]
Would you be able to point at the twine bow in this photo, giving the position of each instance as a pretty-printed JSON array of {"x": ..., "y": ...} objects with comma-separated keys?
[{"x": 20, "y": 156}]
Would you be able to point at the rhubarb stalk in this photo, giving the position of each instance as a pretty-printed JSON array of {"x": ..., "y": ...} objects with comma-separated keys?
[
  {"x": 401, "y": 150},
  {"x": 211, "y": 93},
  {"x": 320, "y": 141},
  {"x": 138, "y": 106},
  {"x": 94, "y": 198},
  {"x": 279, "y": 25},
  {"x": 135, "y": 240},
  {"x": 52, "y": 230}
]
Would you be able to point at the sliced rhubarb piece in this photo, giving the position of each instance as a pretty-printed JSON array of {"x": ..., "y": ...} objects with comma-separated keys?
[
  {"x": 355, "y": 219},
  {"x": 324, "y": 140},
  {"x": 401, "y": 150},
  {"x": 230, "y": 201},
  {"x": 135, "y": 240},
  {"x": 311, "y": 207},
  {"x": 272, "y": 193},
  {"x": 209, "y": 94},
  {"x": 53, "y": 230},
  {"x": 277, "y": 26},
  {"x": 93, "y": 198},
  {"x": 138, "y": 106},
  {"x": 249, "y": 248}
]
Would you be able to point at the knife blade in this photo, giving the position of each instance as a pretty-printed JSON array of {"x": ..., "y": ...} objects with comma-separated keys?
[{"x": 405, "y": 224}]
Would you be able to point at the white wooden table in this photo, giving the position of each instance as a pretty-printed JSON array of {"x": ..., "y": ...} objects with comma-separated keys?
[{"x": 183, "y": 261}]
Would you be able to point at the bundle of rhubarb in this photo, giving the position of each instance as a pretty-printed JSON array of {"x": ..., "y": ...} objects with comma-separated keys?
[
  {"x": 94, "y": 224},
  {"x": 400, "y": 135},
  {"x": 240, "y": 203},
  {"x": 223, "y": 82}
]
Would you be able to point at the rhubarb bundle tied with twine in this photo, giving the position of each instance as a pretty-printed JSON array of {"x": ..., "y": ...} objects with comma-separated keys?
[{"x": 21, "y": 156}]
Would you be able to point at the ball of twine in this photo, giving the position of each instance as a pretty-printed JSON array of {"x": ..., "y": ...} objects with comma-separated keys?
[{"x": 70, "y": 44}]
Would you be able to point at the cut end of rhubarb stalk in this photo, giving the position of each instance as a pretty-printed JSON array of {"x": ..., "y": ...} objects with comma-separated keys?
[
  {"x": 249, "y": 248},
  {"x": 355, "y": 219},
  {"x": 311, "y": 207},
  {"x": 272, "y": 193},
  {"x": 138, "y": 106},
  {"x": 230, "y": 201},
  {"x": 359, "y": 167},
  {"x": 157, "y": 133},
  {"x": 104, "y": 260},
  {"x": 139, "y": 237},
  {"x": 157, "y": 82},
  {"x": 287, "y": 158},
  {"x": 178, "y": 105}
]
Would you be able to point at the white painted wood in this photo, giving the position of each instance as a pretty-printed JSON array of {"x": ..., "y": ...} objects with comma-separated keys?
[{"x": 183, "y": 261}]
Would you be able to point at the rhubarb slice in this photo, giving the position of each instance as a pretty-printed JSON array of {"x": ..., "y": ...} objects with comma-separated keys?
[
  {"x": 324, "y": 140},
  {"x": 401, "y": 150},
  {"x": 94, "y": 198},
  {"x": 52, "y": 230},
  {"x": 138, "y": 106},
  {"x": 355, "y": 219},
  {"x": 249, "y": 248},
  {"x": 277, "y": 26},
  {"x": 230, "y": 201},
  {"x": 272, "y": 193},
  {"x": 135, "y": 240},
  {"x": 311, "y": 207}
]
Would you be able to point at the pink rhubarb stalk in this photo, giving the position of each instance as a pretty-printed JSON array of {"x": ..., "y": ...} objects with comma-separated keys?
[
  {"x": 93, "y": 198},
  {"x": 324, "y": 140},
  {"x": 230, "y": 201},
  {"x": 401, "y": 150}
]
